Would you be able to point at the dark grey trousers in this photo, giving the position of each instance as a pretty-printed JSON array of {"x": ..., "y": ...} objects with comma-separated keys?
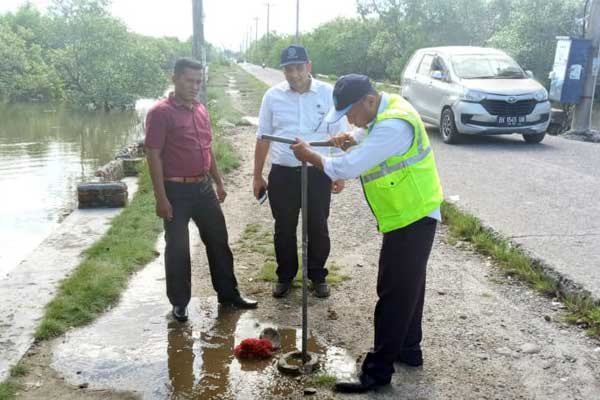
[
  {"x": 401, "y": 291},
  {"x": 285, "y": 199},
  {"x": 198, "y": 202}
]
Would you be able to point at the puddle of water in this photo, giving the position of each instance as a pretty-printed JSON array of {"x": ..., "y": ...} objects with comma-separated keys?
[{"x": 137, "y": 348}]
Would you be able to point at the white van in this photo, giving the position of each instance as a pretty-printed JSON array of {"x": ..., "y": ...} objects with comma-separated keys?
[{"x": 475, "y": 91}]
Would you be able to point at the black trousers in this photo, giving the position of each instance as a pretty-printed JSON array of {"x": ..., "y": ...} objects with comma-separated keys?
[
  {"x": 285, "y": 200},
  {"x": 401, "y": 291},
  {"x": 196, "y": 201}
]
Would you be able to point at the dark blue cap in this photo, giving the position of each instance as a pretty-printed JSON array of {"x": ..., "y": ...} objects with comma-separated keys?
[
  {"x": 348, "y": 90},
  {"x": 294, "y": 54}
]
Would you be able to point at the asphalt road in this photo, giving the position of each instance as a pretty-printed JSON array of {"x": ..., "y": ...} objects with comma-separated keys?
[{"x": 544, "y": 196}]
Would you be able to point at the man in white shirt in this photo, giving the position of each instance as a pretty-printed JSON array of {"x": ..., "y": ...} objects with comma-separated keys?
[{"x": 296, "y": 108}]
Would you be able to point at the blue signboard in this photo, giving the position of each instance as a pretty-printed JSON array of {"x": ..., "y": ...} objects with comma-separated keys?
[{"x": 569, "y": 70}]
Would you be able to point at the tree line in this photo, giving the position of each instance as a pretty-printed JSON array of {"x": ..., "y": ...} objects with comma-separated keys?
[
  {"x": 380, "y": 41},
  {"x": 79, "y": 53}
]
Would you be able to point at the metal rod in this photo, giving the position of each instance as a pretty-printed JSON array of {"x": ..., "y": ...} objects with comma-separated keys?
[
  {"x": 292, "y": 141},
  {"x": 277, "y": 139},
  {"x": 320, "y": 144},
  {"x": 304, "y": 205},
  {"x": 304, "y": 178}
]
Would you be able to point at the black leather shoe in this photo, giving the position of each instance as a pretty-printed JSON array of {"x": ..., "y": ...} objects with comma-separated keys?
[
  {"x": 281, "y": 289},
  {"x": 180, "y": 313},
  {"x": 239, "y": 302},
  {"x": 321, "y": 290},
  {"x": 365, "y": 384},
  {"x": 413, "y": 358}
]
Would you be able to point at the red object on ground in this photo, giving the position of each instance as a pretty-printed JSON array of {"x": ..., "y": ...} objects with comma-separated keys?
[{"x": 254, "y": 349}]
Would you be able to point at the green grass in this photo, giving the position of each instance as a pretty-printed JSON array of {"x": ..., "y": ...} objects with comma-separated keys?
[
  {"x": 259, "y": 239},
  {"x": 253, "y": 88},
  {"x": 18, "y": 371},
  {"x": 387, "y": 87},
  {"x": 335, "y": 277},
  {"x": 227, "y": 158},
  {"x": 324, "y": 380},
  {"x": 8, "y": 390},
  {"x": 219, "y": 101},
  {"x": 582, "y": 310},
  {"x": 381, "y": 86},
  {"x": 251, "y": 91},
  {"x": 98, "y": 281},
  {"x": 222, "y": 109}
]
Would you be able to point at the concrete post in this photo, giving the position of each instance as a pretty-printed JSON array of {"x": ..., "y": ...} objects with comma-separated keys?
[
  {"x": 582, "y": 117},
  {"x": 198, "y": 45}
]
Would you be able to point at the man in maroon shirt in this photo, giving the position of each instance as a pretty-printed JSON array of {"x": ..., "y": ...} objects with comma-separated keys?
[{"x": 182, "y": 163}]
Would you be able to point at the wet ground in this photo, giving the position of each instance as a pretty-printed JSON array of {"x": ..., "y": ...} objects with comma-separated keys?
[{"x": 139, "y": 348}]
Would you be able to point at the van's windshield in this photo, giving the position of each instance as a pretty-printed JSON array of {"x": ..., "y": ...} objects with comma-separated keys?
[{"x": 486, "y": 66}]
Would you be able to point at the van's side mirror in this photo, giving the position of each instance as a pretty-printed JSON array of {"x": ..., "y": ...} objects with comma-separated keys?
[
  {"x": 438, "y": 75},
  {"x": 529, "y": 74}
]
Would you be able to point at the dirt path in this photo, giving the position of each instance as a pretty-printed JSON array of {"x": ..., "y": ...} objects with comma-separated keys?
[{"x": 486, "y": 337}]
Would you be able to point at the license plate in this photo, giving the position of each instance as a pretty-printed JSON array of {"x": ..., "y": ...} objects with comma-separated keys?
[{"x": 511, "y": 121}]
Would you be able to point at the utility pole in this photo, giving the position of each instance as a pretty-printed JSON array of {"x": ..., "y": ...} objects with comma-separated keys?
[
  {"x": 249, "y": 40},
  {"x": 198, "y": 49},
  {"x": 582, "y": 117},
  {"x": 256, "y": 28},
  {"x": 268, "y": 4},
  {"x": 268, "y": 19},
  {"x": 298, "y": 21}
]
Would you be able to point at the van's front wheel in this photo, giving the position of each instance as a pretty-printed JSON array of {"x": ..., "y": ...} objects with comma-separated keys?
[
  {"x": 448, "y": 129},
  {"x": 534, "y": 138}
]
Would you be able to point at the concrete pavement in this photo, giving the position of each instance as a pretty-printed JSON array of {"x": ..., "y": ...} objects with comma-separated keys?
[{"x": 544, "y": 197}]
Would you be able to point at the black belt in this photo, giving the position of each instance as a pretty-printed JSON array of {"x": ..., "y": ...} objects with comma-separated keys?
[{"x": 291, "y": 168}]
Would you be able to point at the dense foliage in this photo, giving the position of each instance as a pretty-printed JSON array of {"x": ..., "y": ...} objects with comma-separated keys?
[
  {"x": 78, "y": 52},
  {"x": 380, "y": 41}
]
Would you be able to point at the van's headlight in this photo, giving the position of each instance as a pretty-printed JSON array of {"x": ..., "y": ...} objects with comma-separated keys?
[
  {"x": 472, "y": 96},
  {"x": 541, "y": 95}
]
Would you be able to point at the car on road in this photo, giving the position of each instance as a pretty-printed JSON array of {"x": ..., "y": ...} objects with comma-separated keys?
[{"x": 467, "y": 90}]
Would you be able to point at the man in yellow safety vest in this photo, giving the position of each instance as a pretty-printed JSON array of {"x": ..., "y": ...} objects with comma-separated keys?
[{"x": 398, "y": 173}]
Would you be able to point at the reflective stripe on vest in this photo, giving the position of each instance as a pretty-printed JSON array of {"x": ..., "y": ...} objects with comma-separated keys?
[
  {"x": 388, "y": 169},
  {"x": 403, "y": 188}
]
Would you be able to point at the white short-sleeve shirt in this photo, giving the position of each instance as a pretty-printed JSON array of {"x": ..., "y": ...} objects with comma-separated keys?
[{"x": 287, "y": 113}]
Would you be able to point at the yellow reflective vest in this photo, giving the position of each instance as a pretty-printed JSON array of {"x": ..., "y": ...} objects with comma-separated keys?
[{"x": 405, "y": 188}]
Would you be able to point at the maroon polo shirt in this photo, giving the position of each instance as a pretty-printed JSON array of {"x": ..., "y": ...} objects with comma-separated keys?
[{"x": 182, "y": 134}]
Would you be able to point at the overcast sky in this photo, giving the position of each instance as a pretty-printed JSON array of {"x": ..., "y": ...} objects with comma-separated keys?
[{"x": 226, "y": 21}]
